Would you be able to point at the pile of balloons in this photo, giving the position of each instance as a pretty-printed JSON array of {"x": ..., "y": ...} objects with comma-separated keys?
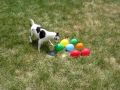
[{"x": 73, "y": 46}]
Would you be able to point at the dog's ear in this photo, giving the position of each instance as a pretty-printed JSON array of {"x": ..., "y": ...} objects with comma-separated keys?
[{"x": 57, "y": 34}]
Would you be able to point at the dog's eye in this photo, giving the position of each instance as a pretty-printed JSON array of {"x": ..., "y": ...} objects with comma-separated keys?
[{"x": 56, "y": 38}]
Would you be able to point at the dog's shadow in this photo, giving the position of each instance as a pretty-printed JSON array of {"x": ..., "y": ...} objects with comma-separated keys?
[{"x": 44, "y": 47}]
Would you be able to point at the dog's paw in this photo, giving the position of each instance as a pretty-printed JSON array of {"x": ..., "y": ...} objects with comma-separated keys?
[
  {"x": 39, "y": 51},
  {"x": 30, "y": 41}
]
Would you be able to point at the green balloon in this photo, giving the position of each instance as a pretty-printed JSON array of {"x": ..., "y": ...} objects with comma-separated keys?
[
  {"x": 74, "y": 41},
  {"x": 59, "y": 47}
]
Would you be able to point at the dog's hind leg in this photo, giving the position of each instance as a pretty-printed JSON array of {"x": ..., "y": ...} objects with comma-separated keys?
[
  {"x": 30, "y": 36},
  {"x": 39, "y": 44}
]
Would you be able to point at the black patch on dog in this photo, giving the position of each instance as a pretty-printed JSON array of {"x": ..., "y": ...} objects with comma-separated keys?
[
  {"x": 42, "y": 34},
  {"x": 38, "y": 29}
]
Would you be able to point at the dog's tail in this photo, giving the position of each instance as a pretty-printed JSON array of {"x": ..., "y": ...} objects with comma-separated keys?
[{"x": 32, "y": 22}]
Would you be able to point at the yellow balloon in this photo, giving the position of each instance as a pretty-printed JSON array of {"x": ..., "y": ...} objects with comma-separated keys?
[{"x": 64, "y": 42}]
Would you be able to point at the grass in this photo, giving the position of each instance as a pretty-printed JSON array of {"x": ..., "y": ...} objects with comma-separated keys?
[{"x": 96, "y": 23}]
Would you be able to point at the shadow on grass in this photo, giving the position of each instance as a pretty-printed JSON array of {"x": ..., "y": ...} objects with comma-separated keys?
[{"x": 44, "y": 48}]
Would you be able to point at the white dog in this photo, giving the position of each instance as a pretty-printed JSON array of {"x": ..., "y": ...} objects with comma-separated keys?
[{"x": 41, "y": 34}]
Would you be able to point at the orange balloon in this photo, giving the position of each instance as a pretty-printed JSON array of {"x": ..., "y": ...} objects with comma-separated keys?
[{"x": 79, "y": 46}]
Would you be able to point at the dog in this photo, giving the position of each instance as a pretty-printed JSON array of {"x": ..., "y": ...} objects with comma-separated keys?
[{"x": 42, "y": 34}]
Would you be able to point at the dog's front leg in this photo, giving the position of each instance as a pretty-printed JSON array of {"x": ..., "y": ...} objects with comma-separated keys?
[{"x": 51, "y": 43}]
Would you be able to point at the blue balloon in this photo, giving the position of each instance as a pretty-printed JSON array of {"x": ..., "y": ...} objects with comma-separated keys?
[
  {"x": 52, "y": 53},
  {"x": 70, "y": 47}
]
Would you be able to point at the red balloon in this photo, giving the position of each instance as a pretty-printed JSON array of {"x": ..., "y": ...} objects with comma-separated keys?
[
  {"x": 75, "y": 53},
  {"x": 85, "y": 52}
]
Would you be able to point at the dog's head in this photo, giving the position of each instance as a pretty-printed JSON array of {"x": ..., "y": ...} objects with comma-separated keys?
[{"x": 57, "y": 37}]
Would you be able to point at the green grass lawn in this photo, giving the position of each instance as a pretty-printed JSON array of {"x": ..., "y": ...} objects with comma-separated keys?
[{"x": 96, "y": 23}]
